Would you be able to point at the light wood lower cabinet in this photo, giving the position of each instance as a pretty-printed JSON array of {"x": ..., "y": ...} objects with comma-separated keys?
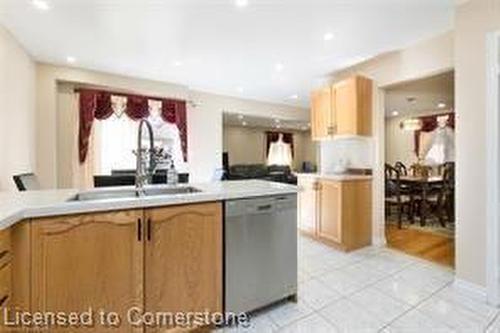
[
  {"x": 336, "y": 212},
  {"x": 158, "y": 260},
  {"x": 92, "y": 261},
  {"x": 5, "y": 268},
  {"x": 184, "y": 259}
]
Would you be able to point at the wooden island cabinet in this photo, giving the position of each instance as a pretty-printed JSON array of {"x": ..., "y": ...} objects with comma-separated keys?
[
  {"x": 336, "y": 212},
  {"x": 157, "y": 260}
]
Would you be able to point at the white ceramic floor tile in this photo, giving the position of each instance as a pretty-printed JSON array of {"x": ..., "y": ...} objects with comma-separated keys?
[
  {"x": 379, "y": 304},
  {"x": 286, "y": 313},
  {"x": 388, "y": 262},
  {"x": 316, "y": 294},
  {"x": 416, "y": 322},
  {"x": 457, "y": 296},
  {"x": 495, "y": 326},
  {"x": 454, "y": 315},
  {"x": 351, "y": 278},
  {"x": 311, "y": 324},
  {"x": 348, "y": 316},
  {"x": 314, "y": 265},
  {"x": 260, "y": 323},
  {"x": 405, "y": 290}
]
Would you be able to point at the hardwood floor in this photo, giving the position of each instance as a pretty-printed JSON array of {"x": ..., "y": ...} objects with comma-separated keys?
[{"x": 426, "y": 245}]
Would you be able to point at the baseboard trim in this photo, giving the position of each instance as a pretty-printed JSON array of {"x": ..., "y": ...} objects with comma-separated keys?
[{"x": 471, "y": 289}]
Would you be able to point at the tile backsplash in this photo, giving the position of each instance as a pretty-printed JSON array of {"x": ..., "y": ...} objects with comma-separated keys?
[{"x": 356, "y": 152}]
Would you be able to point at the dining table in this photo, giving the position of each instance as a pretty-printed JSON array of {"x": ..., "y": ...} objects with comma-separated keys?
[{"x": 421, "y": 184}]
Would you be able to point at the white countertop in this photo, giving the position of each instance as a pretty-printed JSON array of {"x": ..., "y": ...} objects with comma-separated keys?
[
  {"x": 15, "y": 207},
  {"x": 336, "y": 177}
]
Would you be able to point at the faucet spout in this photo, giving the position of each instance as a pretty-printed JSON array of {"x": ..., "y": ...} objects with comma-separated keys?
[{"x": 143, "y": 175}]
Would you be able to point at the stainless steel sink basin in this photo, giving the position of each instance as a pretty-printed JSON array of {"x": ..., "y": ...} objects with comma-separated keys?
[{"x": 132, "y": 193}]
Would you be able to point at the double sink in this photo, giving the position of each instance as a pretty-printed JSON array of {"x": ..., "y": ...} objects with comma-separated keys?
[{"x": 132, "y": 193}]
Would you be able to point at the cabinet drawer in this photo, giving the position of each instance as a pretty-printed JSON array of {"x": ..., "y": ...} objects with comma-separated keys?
[{"x": 5, "y": 283}]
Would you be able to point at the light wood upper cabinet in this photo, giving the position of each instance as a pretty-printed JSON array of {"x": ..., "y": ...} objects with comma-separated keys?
[
  {"x": 353, "y": 103},
  {"x": 342, "y": 109},
  {"x": 307, "y": 205},
  {"x": 322, "y": 113},
  {"x": 88, "y": 261},
  {"x": 330, "y": 215},
  {"x": 184, "y": 259}
]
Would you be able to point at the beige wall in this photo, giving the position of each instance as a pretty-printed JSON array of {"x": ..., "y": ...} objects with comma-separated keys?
[
  {"x": 474, "y": 20},
  {"x": 248, "y": 145},
  {"x": 204, "y": 120},
  {"x": 399, "y": 144},
  {"x": 17, "y": 111}
]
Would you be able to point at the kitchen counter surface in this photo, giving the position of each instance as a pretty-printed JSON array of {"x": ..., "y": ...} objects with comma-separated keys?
[
  {"x": 15, "y": 207},
  {"x": 336, "y": 177}
]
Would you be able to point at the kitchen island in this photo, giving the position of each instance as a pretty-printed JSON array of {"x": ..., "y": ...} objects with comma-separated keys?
[{"x": 155, "y": 254}]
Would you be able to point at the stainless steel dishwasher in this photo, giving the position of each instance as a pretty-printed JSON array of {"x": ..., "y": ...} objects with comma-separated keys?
[{"x": 260, "y": 251}]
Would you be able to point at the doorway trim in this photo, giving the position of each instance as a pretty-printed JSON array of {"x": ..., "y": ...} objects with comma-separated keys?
[{"x": 493, "y": 168}]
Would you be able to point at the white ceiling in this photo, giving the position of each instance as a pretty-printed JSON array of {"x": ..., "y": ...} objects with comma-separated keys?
[
  {"x": 214, "y": 46},
  {"x": 239, "y": 120},
  {"x": 426, "y": 93}
]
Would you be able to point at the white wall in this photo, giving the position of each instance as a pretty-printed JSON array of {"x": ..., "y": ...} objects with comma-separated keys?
[
  {"x": 204, "y": 120},
  {"x": 474, "y": 20},
  {"x": 17, "y": 111}
]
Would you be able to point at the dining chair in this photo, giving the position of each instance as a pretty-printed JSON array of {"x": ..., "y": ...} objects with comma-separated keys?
[
  {"x": 394, "y": 196},
  {"x": 441, "y": 202},
  {"x": 401, "y": 168},
  {"x": 26, "y": 182}
]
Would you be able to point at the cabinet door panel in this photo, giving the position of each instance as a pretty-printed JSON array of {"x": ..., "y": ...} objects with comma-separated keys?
[
  {"x": 307, "y": 206},
  {"x": 321, "y": 112},
  {"x": 184, "y": 259},
  {"x": 330, "y": 220},
  {"x": 346, "y": 106},
  {"x": 88, "y": 261}
]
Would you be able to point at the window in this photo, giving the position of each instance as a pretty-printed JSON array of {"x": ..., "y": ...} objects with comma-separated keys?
[{"x": 117, "y": 137}]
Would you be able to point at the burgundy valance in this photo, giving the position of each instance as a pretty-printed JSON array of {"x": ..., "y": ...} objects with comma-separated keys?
[
  {"x": 97, "y": 104},
  {"x": 274, "y": 137},
  {"x": 430, "y": 123}
]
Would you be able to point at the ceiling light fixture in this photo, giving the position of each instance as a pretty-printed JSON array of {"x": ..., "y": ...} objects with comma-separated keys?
[
  {"x": 441, "y": 105},
  {"x": 328, "y": 36},
  {"x": 40, "y": 4},
  {"x": 240, "y": 116},
  {"x": 279, "y": 67},
  {"x": 70, "y": 60},
  {"x": 395, "y": 113},
  {"x": 294, "y": 96},
  {"x": 241, "y": 3},
  {"x": 277, "y": 121},
  {"x": 244, "y": 123},
  {"x": 177, "y": 63}
]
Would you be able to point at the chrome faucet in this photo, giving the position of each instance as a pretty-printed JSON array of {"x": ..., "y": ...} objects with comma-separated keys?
[{"x": 144, "y": 174}]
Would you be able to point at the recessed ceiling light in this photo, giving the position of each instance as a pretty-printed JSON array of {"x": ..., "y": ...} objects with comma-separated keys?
[
  {"x": 278, "y": 126},
  {"x": 70, "y": 60},
  {"x": 279, "y": 67},
  {"x": 328, "y": 36},
  {"x": 40, "y": 4},
  {"x": 441, "y": 105},
  {"x": 241, "y": 3},
  {"x": 244, "y": 123},
  {"x": 240, "y": 116},
  {"x": 294, "y": 96},
  {"x": 177, "y": 63},
  {"x": 395, "y": 113},
  {"x": 277, "y": 121}
]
